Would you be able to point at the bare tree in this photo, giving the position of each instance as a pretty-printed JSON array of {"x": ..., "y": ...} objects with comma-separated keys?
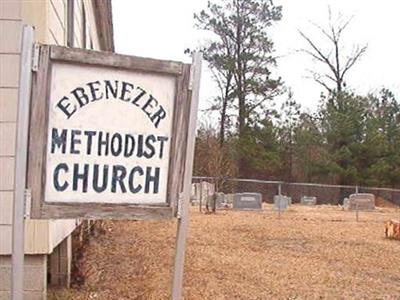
[
  {"x": 338, "y": 64},
  {"x": 210, "y": 158}
]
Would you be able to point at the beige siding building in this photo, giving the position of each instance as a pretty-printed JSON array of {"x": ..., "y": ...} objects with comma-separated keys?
[{"x": 73, "y": 23}]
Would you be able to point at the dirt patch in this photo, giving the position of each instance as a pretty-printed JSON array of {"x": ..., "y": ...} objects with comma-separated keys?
[{"x": 307, "y": 253}]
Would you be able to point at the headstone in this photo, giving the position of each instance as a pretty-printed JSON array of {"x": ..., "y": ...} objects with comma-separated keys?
[
  {"x": 193, "y": 191},
  {"x": 229, "y": 198},
  {"x": 204, "y": 191},
  {"x": 221, "y": 200},
  {"x": 346, "y": 203},
  {"x": 193, "y": 200},
  {"x": 195, "y": 196},
  {"x": 247, "y": 201},
  {"x": 361, "y": 202},
  {"x": 281, "y": 202},
  {"x": 306, "y": 200}
]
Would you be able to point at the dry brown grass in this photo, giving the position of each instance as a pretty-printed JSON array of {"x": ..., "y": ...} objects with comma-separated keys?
[{"x": 309, "y": 253}]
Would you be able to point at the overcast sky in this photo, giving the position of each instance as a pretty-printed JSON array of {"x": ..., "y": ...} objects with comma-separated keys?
[{"x": 163, "y": 29}]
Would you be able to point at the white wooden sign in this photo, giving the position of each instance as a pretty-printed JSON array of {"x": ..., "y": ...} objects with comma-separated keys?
[
  {"x": 109, "y": 136},
  {"x": 107, "y": 130}
]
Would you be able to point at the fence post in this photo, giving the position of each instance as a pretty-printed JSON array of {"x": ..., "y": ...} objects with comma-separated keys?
[
  {"x": 357, "y": 211},
  {"x": 201, "y": 196},
  {"x": 279, "y": 201},
  {"x": 214, "y": 209}
]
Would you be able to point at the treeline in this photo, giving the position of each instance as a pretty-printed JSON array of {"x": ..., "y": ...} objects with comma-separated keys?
[{"x": 349, "y": 139}]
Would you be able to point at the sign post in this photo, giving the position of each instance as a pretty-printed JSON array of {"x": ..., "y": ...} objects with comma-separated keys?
[
  {"x": 18, "y": 232},
  {"x": 183, "y": 212}
]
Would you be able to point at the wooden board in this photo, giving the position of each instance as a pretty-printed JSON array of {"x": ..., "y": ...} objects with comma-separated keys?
[{"x": 45, "y": 206}]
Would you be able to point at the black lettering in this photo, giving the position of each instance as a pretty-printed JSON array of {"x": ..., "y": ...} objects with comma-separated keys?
[
  {"x": 57, "y": 140},
  {"x": 118, "y": 175},
  {"x": 89, "y": 134},
  {"x": 110, "y": 89},
  {"x": 56, "y": 182},
  {"x": 132, "y": 188},
  {"x": 158, "y": 116},
  {"x": 162, "y": 139},
  {"x": 129, "y": 145},
  {"x": 80, "y": 96},
  {"x": 64, "y": 108},
  {"x": 75, "y": 141},
  {"x": 94, "y": 90},
  {"x": 149, "y": 104},
  {"x": 116, "y": 149},
  {"x": 140, "y": 146},
  {"x": 149, "y": 144},
  {"x": 103, "y": 143},
  {"x": 141, "y": 94},
  {"x": 150, "y": 178},
  {"x": 80, "y": 176},
  {"x": 96, "y": 186},
  {"x": 125, "y": 90}
]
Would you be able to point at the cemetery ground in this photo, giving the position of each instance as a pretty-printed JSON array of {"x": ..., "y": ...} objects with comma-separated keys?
[{"x": 307, "y": 253}]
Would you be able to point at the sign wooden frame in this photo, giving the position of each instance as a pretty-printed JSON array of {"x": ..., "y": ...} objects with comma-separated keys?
[{"x": 39, "y": 122}]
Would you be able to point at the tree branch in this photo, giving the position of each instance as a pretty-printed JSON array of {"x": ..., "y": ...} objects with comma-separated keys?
[{"x": 316, "y": 49}]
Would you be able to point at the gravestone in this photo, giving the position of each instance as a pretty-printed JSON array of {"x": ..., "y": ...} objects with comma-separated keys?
[
  {"x": 361, "y": 202},
  {"x": 247, "y": 201},
  {"x": 307, "y": 200},
  {"x": 282, "y": 202},
  {"x": 196, "y": 194},
  {"x": 346, "y": 203},
  {"x": 229, "y": 198},
  {"x": 221, "y": 199}
]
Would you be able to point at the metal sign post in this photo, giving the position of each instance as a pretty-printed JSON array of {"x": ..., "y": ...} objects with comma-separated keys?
[
  {"x": 183, "y": 220},
  {"x": 18, "y": 232}
]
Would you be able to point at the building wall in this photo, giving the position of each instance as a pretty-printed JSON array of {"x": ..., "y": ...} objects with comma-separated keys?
[
  {"x": 35, "y": 277},
  {"x": 50, "y": 20},
  {"x": 10, "y": 33}
]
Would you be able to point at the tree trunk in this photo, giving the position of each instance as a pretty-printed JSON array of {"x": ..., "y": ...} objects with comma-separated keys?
[
  {"x": 222, "y": 123},
  {"x": 223, "y": 111},
  {"x": 240, "y": 93},
  {"x": 242, "y": 166}
]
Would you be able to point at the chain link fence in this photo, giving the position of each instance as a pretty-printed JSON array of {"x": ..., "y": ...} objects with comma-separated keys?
[{"x": 325, "y": 193}]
